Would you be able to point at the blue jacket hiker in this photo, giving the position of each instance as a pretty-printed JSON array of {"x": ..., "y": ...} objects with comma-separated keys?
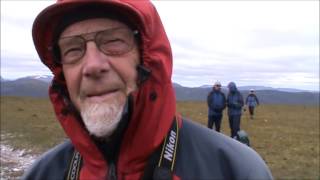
[
  {"x": 252, "y": 101},
  {"x": 235, "y": 104},
  {"x": 216, "y": 104}
]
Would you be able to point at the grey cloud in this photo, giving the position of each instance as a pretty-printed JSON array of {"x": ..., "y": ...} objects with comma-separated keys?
[
  {"x": 250, "y": 72},
  {"x": 272, "y": 38},
  {"x": 20, "y": 22},
  {"x": 16, "y": 66}
]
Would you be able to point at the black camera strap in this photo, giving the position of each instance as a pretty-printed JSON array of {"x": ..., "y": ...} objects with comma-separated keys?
[
  {"x": 162, "y": 162},
  {"x": 169, "y": 147},
  {"x": 74, "y": 167},
  {"x": 160, "y": 165}
]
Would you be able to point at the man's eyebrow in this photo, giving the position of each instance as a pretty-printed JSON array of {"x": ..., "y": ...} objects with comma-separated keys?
[{"x": 92, "y": 32}]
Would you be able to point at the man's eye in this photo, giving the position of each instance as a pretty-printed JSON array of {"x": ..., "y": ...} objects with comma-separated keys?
[
  {"x": 72, "y": 51},
  {"x": 113, "y": 41}
]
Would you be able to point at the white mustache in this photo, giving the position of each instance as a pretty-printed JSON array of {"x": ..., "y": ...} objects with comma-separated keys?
[{"x": 96, "y": 93}]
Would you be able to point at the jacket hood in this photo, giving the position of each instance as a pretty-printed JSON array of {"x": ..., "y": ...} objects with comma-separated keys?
[
  {"x": 232, "y": 87},
  {"x": 153, "y": 103}
]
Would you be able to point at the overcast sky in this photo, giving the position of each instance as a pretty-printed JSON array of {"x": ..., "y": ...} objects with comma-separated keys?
[{"x": 266, "y": 43}]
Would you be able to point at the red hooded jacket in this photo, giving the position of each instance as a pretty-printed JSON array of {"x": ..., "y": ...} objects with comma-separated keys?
[{"x": 154, "y": 102}]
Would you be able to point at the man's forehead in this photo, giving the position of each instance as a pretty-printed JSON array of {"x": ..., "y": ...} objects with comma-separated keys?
[{"x": 90, "y": 25}]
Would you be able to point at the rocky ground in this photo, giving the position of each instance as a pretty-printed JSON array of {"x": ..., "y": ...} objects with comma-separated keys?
[{"x": 13, "y": 161}]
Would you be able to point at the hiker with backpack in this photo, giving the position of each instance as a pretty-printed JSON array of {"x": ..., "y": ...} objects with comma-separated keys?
[
  {"x": 251, "y": 102},
  {"x": 216, "y": 101}
]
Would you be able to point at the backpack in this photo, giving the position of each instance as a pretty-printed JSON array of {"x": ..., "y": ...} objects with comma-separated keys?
[{"x": 243, "y": 137}]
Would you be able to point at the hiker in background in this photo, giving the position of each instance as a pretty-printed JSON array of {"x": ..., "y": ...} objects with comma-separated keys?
[
  {"x": 112, "y": 93},
  {"x": 216, "y": 101},
  {"x": 251, "y": 102},
  {"x": 235, "y": 104}
]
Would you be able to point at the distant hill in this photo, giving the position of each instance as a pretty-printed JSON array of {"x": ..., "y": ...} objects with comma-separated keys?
[
  {"x": 44, "y": 78},
  {"x": 25, "y": 87},
  {"x": 268, "y": 96},
  {"x": 37, "y": 86},
  {"x": 1, "y": 79},
  {"x": 257, "y": 88}
]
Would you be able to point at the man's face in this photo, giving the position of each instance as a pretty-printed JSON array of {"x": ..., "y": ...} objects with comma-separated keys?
[
  {"x": 98, "y": 83},
  {"x": 217, "y": 87}
]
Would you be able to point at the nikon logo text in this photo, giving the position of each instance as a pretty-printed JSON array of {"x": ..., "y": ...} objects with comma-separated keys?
[{"x": 168, "y": 152}]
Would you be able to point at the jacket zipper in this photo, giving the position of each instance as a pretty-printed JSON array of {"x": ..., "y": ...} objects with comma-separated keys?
[{"x": 112, "y": 175}]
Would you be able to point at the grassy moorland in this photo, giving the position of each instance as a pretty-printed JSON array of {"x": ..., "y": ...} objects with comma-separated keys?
[
  {"x": 287, "y": 137},
  {"x": 29, "y": 123}
]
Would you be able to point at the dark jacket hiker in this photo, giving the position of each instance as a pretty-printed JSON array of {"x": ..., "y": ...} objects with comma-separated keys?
[
  {"x": 234, "y": 104},
  {"x": 252, "y": 101},
  {"x": 216, "y": 101}
]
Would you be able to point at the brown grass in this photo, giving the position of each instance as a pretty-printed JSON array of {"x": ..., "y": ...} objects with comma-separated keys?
[
  {"x": 287, "y": 137},
  {"x": 29, "y": 123}
]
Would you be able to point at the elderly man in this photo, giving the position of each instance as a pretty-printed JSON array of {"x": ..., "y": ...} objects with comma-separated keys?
[
  {"x": 112, "y": 94},
  {"x": 216, "y": 101}
]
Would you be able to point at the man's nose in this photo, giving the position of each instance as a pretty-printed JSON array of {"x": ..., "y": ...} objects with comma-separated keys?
[{"x": 96, "y": 63}]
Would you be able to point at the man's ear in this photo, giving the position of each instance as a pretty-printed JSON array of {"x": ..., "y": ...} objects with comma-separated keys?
[
  {"x": 61, "y": 89},
  {"x": 143, "y": 74}
]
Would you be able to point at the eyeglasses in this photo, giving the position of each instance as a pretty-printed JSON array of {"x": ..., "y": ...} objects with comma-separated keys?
[{"x": 112, "y": 42}]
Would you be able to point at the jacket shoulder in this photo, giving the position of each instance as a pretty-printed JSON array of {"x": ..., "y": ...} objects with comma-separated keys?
[
  {"x": 206, "y": 154},
  {"x": 223, "y": 95},
  {"x": 51, "y": 165}
]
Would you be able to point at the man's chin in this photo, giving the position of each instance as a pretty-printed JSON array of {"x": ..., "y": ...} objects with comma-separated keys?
[{"x": 101, "y": 119}]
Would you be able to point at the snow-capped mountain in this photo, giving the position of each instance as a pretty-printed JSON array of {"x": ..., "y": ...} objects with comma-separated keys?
[{"x": 44, "y": 78}]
